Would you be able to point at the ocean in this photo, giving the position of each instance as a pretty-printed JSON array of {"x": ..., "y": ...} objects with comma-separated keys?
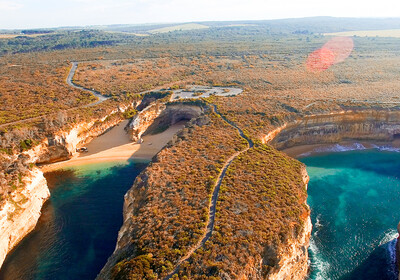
[
  {"x": 354, "y": 198},
  {"x": 79, "y": 225}
]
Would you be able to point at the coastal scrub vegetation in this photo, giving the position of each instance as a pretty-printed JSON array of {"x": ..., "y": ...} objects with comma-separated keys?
[
  {"x": 261, "y": 204},
  {"x": 173, "y": 195}
]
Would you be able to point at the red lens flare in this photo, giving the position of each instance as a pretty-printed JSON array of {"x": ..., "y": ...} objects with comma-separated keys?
[{"x": 334, "y": 51}]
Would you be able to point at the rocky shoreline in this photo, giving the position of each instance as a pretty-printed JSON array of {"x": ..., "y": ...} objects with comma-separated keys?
[
  {"x": 21, "y": 211},
  {"x": 19, "y": 215}
]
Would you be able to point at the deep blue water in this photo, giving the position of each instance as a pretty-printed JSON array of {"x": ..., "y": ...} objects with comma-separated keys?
[
  {"x": 355, "y": 208},
  {"x": 79, "y": 225}
]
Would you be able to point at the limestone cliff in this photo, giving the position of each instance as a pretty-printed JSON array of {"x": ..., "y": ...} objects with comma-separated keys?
[
  {"x": 62, "y": 144},
  {"x": 287, "y": 258},
  {"x": 337, "y": 127},
  {"x": 141, "y": 122},
  {"x": 160, "y": 116},
  {"x": 290, "y": 259},
  {"x": 293, "y": 257},
  {"x": 21, "y": 212}
]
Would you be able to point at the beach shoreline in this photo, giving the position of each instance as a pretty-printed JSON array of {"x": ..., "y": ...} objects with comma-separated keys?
[
  {"x": 115, "y": 145},
  {"x": 312, "y": 149}
]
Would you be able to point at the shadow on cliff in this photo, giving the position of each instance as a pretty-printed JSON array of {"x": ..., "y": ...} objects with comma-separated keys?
[{"x": 380, "y": 262}]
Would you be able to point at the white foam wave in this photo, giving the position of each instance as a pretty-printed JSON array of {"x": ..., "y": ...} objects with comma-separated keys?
[
  {"x": 386, "y": 148},
  {"x": 317, "y": 225},
  {"x": 318, "y": 265},
  {"x": 390, "y": 239},
  {"x": 337, "y": 148},
  {"x": 341, "y": 148},
  {"x": 305, "y": 154},
  {"x": 389, "y": 236}
]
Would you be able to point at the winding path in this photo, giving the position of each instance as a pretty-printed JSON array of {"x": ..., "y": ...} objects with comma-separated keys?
[
  {"x": 213, "y": 205},
  {"x": 69, "y": 81}
]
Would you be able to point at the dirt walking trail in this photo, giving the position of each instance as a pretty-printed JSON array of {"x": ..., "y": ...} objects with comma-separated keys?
[{"x": 213, "y": 204}]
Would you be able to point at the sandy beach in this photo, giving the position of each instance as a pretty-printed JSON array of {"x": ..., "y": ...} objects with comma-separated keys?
[{"x": 116, "y": 145}]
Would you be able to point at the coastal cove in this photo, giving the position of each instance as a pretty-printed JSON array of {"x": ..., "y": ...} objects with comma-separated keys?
[
  {"x": 79, "y": 223},
  {"x": 354, "y": 193}
]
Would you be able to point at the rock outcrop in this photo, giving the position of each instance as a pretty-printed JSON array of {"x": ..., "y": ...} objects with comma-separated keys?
[
  {"x": 289, "y": 256},
  {"x": 19, "y": 215},
  {"x": 62, "y": 145}
]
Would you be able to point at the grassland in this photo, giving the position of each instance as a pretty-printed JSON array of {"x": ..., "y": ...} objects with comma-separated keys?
[
  {"x": 394, "y": 33},
  {"x": 181, "y": 27},
  {"x": 12, "y": 36}
]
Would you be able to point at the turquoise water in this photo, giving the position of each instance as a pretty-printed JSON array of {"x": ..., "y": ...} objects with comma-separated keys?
[
  {"x": 355, "y": 200},
  {"x": 79, "y": 225}
]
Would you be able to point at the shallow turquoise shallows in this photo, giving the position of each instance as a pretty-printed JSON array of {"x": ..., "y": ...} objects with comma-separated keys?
[
  {"x": 79, "y": 225},
  {"x": 355, "y": 208}
]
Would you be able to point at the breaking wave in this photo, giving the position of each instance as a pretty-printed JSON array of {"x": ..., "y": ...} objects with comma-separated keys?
[{"x": 337, "y": 148}]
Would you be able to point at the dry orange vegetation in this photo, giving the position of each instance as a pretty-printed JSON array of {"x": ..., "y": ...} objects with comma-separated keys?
[
  {"x": 261, "y": 202},
  {"x": 260, "y": 207},
  {"x": 128, "y": 76},
  {"x": 277, "y": 82},
  {"x": 29, "y": 90},
  {"x": 172, "y": 195}
]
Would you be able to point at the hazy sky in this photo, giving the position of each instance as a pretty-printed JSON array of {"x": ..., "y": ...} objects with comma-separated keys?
[{"x": 54, "y": 13}]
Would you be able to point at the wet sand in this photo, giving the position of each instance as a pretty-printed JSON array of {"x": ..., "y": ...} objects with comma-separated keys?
[{"x": 115, "y": 145}]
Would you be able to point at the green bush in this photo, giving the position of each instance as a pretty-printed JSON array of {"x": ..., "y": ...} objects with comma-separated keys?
[
  {"x": 26, "y": 144},
  {"x": 137, "y": 268},
  {"x": 130, "y": 113}
]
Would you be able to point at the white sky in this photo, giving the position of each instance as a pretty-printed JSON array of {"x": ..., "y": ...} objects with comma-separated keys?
[{"x": 54, "y": 13}]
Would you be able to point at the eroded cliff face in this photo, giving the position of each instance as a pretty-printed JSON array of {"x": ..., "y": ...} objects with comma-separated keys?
[
  {"x": 377, "y": 126},
  {"x": 293, "y": 257},
  {"x": 20, "y": 213},
  {"x": 141, "y": 122},
  {"x": 62, "y": 145},
  {"x": 160, "y": 116},
  {"x": 336, "y": 127}
]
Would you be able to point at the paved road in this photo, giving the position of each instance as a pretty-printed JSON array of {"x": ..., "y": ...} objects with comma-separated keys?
[
  {"x": 213, "y": 204},
  {"x": 71, "y": 83},
  {"x": 71, "y": 74}
]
